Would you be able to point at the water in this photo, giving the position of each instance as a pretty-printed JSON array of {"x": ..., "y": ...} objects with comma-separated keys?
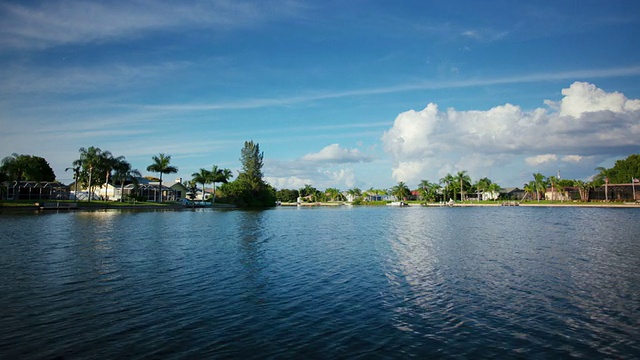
[{"x": 321, "y": 283}]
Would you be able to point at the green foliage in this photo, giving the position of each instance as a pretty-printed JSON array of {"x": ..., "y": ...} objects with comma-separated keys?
[
  {"x": 26, "y": 167},
  {"x": 249, "y": 189},
  {"x": 334, "y": 194},
  {"x": 161, "y": 165},
  {"x": 240, "y": 194},
  {"x": 624, "y": 170},
  {"x": 287, "y": 195},
  {"x": 401, "y": 191},
  {"x": 252, "y": 162}
]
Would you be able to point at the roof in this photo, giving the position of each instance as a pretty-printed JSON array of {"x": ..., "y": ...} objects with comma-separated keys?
[
  {"x": 509, "y": 190},
  {"x": 36, "y": 184}
]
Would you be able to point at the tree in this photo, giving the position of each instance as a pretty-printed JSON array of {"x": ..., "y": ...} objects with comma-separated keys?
[
  {"x": 219, "y": 176},
  {"x": 287, "y": 195},
  {"x": 354, "y": 194},
  {"x": 27, "y": 167},
  {"x": 552, "y": 180},
  {"x": 76, "y": 177},
  {"x": 161, "y": 165},
  {"x": 540, "y": 185},
  {"x": 249, "y": 189},
  {"x": 252, "y": 162},
  {"x": 494, "y": 188},
  {"x": 464, "y": 180},
  {"x": 334, "y": 194},
  {"x": 447, "y": 180},
  {"x": 428, "y": 190},
  {"x": 109, "y": 163},
  {"x": 623, "y": 171},
  {"x": 192, "y": 186},
  {"x": 583, "y": 189},
  {"x": 123, "y": 171},
  {"x": 482, "y": 185},
  {"x": 202, "y": 177},
  {"x": 401, "y": 191},
  {"x": 90, "y": 161},
  {"x": 529, "y": 189}
]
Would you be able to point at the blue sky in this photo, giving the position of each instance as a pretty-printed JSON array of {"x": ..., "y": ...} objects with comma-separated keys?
[{"x": 338, "y": 94}]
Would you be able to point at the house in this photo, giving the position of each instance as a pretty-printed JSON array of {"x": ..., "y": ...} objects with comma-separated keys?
[
  {"x": 512, "y": 193},
  {"x": 181, "y": 191},
  {"x": 36, "y": 190},
  {"x": 559, "y": 194},
  {"x": 140, "y": 188}
]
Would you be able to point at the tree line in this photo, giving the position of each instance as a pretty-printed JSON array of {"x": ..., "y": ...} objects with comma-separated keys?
[
  {"x": 95, "y": 167},
  {"x": 458, "y": 186}
]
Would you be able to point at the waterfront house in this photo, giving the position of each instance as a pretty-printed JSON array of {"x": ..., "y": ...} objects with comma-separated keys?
[
  {"x": 512, "y": 193},
  {"x": 35, "y": 190}
]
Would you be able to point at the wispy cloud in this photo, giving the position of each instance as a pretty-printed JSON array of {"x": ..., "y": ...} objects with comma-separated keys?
[
  {"x": 47, "y": 24},
  {"x": 423, "y": 85}
]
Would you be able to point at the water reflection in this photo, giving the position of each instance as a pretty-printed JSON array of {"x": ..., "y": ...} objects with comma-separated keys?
[{"x": 333, "y": 283}]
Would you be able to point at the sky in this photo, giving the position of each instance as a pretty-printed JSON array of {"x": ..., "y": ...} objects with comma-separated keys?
[{"x": 337, "y": 94}]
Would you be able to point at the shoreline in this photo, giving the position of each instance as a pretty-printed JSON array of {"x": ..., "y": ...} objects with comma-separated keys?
[
  {"x": 499, "y": 204},
  {"x": 179, "y": 207}
]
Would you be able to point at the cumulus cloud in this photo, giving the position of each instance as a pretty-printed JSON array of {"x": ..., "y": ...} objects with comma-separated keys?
[
  {"x": 332, "y": 166},
  {"x": 587, "y": 121},
  {"x": 572, "y": 158},
  {"x": 540, "y": 159},
  {"x": 335, "y": 154},
  {"x": 583, "y": 98}
]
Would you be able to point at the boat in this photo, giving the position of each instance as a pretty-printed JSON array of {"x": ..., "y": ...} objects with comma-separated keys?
[{"x": 397, "y": 203}]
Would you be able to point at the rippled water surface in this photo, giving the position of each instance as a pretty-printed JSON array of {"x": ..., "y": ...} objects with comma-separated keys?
[{"x": 342, "y": 282}]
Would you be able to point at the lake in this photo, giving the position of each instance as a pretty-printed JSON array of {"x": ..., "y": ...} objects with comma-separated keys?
[{"x": 321, "y": 282}]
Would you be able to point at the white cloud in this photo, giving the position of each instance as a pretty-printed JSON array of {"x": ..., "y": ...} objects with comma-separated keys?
[
  {"x": 587, "y": 121},
  {"x": 330, "y": 167},
  {"x": 337, "y": 155},
  {"x": 289, "y": 182},
  {"x": 342, "y": 176},
  {"x": 63, "y": 22},
  {"x": 572, "y": 158},
  {"x": 541, "y": 159},
  {"x": 583, "y": 97}
]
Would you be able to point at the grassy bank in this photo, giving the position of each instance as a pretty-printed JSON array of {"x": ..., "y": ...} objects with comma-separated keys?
[{"x": 97, "y": 204}]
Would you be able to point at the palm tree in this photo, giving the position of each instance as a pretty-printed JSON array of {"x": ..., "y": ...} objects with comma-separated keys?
[
  {"x": 494, "y": 188},
  {"x": 482, "y": 185},
  {"x": 333, "y": 194},
  {"x": 219, "y": 176},
  {"x": 463, "y": 179},
  {"x": 540, "y": 184},
  {"x": 123, "y": 171},
  {"x": 428, "y": 190},
  {"x": 355, "y": 193},
  {"x": 401, "y": 191},
  {"x": 203, "y": 177},
  {"x": 89, "y": 161},
  {"x": 108, "y": 163},
  {"x": 553, "y": 181},
  {"x": 603, "y": 178},
  {"x": 583, "y": 189},
  {"x": 529, "y": 189},
  {"x": 447, "y": 180},
  {"x": 76, "y": 177},
  {"x": 161, "y": 166}
]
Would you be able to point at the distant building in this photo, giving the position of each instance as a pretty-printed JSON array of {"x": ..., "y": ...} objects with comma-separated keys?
[
  {"x": 35, "y": 190},
  {"x": 512, "y": 193}
]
